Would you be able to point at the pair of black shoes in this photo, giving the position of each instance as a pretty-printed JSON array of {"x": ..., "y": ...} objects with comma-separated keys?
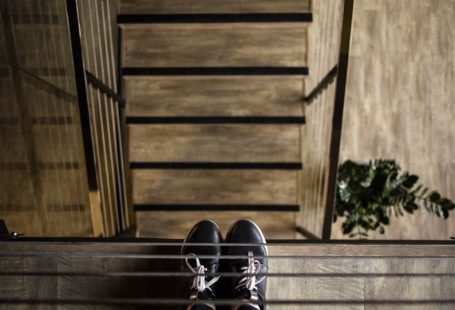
[{"x": 203, "y": 248}]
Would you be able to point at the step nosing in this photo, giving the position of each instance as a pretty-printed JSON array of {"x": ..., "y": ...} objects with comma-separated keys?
[
  {"x": 197, "y": 71},
  {"x": 216, "y": 120},
  {"x": 217, "y": 165},
  {"x": 216, "y": 207},
  {"x": 299, "y": 17}
]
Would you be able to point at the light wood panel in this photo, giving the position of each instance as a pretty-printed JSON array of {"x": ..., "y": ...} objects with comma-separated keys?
[
  {"x": 157, "y": 224},
  {"x": 214, "y": 45},
  {"x": 324, "y": 37},
  {"x": 215, "y": 186},
  {"x": 400, "y": 83},
  {"x": 214, "y": 143},
  {"x": 212, "y": 6},
  {"x": 213, "y": 95}
]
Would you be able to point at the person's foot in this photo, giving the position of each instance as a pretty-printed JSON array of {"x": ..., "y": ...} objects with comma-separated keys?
[
  {"x": 251, "y": 287},
  {"x": 201, "y": 288}
]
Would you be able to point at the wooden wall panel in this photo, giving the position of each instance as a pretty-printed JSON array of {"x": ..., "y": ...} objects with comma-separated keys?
[
  {"x": 399, "y": 100},
  {"x": 214, "y": 186},
  {"x": 214, "y": 143},
  {"x": 213, "y": 95},
  {"x": 214, "y": 45},
  {"x": 212, "y": 6}
]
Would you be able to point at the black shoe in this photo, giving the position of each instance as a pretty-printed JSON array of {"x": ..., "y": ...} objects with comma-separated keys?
[
  {"x": 250, "y": 288},
  {"x": 201, "y": 287}
]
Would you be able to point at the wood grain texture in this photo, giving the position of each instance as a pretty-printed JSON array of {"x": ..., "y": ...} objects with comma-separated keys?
[
  {"x": 322, "y": 285},
  {"x": 400, "y": 83},
  {"x": 173, "y": 225},
  {"x": 213, "y": 95},
  {"x": 324, "y": 36},
  {"x": 214, "y": 186},
  {"x": 313, "y": 180},
  {"x": 212, "y": 6},
  {"x": 214, "y": 143},
  {"x": 214, "y": 45}
]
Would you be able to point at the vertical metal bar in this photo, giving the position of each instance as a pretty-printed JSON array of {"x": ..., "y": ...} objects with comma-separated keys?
[
  {"x": 116, "y": 123},
  {"x": 337, "y": 120},
  {"x": 79, "y": 70}
]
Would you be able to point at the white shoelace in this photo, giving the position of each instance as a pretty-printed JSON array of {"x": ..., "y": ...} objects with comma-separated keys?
[
  {"x": 199, "y": 282},
  {"x": 249, "y": 281}
]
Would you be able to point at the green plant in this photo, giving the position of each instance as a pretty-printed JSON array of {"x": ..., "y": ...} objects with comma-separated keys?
[{"x": 368, "y": 194}]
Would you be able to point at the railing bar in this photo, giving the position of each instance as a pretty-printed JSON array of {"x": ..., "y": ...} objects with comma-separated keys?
[
  {"x": 104, "y": 76},
  {"x": 337, "y": 119},
  {"x": 69, "y": 130},
  {"x": 95, "y": 108},
  {"x": 99, "y": 113},
  {"x": 178, "y": 301},
  {"x": 177, "y": 256},
  {"x": 149, "y": 274}
]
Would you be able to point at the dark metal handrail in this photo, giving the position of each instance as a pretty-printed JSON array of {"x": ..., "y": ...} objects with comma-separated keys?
[{"x": 323, "y": 84}]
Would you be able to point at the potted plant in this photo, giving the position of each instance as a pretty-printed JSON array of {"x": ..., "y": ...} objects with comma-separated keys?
[{"x": 369, "y": 194}]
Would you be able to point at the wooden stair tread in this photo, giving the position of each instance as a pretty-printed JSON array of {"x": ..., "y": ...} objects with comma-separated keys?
[
  {"x": 212, "y": 6},
  {"x": 168, "y": 224},
  {"x": 214, "y": 186},
  {"x": 214, "y": 143},
  {"x": 213, "y": 95},
  {"x": 213, "y": 45}
]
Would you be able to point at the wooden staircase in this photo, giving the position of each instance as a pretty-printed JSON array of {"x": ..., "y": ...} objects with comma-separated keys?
[
  {"x": 214, "y": 111},
  {"x": 136, "y": 274}
]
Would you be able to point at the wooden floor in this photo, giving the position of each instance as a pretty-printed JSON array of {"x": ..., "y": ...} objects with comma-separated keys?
[
  {"x": 336, "y": 276},
  {"x": 401, "y": 83}
]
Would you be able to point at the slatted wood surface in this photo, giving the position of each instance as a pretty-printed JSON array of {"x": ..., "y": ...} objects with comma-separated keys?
[
  {"x": 217, "y": 143},
  {"x": 214, "y": 186},
  {"x": 214, "y": 45},
  {"x": 213, "y": 95},
  {"x": 336, "y": 272},
  {"x": 212, "y": 6}
]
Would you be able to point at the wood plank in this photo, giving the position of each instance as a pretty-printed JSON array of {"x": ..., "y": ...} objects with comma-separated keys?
[
  {"x": 278, "y": 225},
  {"x": 407, "y": 104},
  {"x": 214, "y": 45},
  {"x": 212, "y": 6},
  {"x": 214, "y": 186},
  {"x": 213, "y": 95},
  {"x": 214, "y": 143},
  {"x": 357, "y": 282}
]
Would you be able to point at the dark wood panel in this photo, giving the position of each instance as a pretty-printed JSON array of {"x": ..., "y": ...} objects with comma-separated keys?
[
  {"x": 213, "y": 96},
  {"x": 214, "y": 186},
  {"x": 214, "y": 45},
  {"x": 212, "y": 6},
  {"x": 177, "y": 224}
]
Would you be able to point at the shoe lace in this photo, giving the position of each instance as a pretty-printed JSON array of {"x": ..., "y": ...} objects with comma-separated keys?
[
  {"x": 251, "y": 270},
  {"x": 200, "y": 282}
]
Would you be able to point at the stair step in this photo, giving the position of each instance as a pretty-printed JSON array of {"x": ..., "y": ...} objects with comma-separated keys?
[
  {"x": 175, "y": 224},
  {"x": 214, "y": 18},
  {"x": 216, "y": 207},
  {"x": 212, "y": 6},
  {"x": 214, "y": 186},
  {"x": 214, "y": 143},
  {"x": 214, "y": 45},
  {"x": 214, "y": 165},
  {"x": 213, "y": 95},
  {"x": 215, "y": 120}
]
